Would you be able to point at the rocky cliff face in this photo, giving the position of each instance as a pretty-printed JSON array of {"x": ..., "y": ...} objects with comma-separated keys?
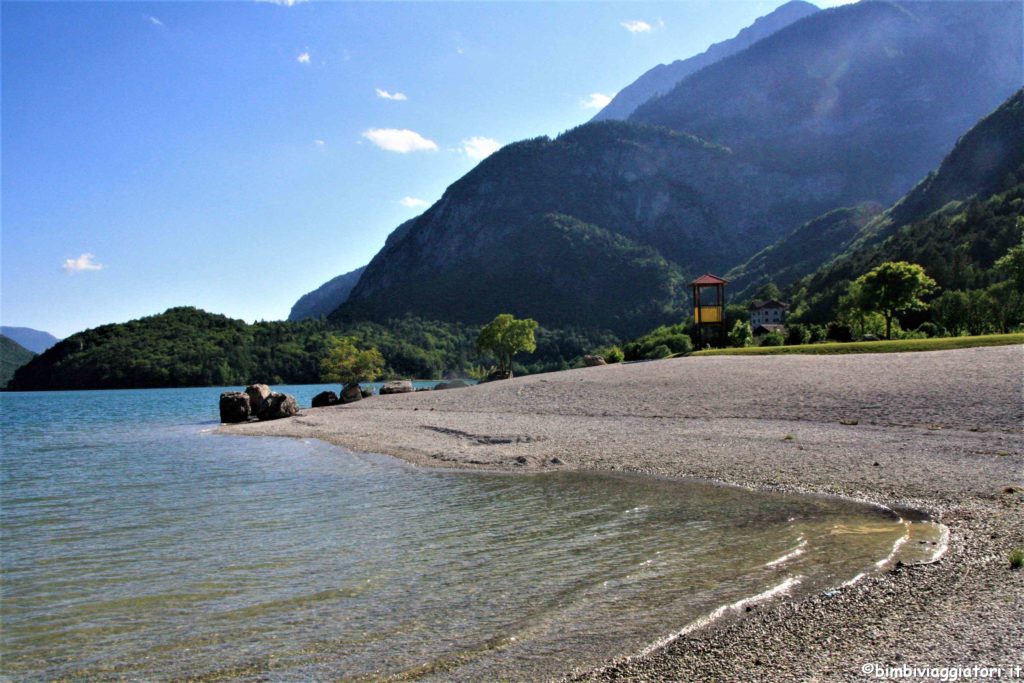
[{"x": 327, "y": 297}]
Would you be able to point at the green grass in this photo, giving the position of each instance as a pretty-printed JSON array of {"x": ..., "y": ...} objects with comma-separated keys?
[{"x": 893, "y": 346}]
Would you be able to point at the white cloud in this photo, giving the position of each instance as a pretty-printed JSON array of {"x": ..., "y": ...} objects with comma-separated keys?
[
  {"x": 384, "y": 94},
  {"x": 303, "y": 58},
  {"x": 399, "y": 140},
  {"x": 283, "y": 3},
  {"x": 83, "y": 262},
  {"x": 155, "y": 21},
  {"x": 637, "y": 26},
  {"x": 480, "y": 147},
  {"x": 596, "y": 100},
  {"x": 413, "y": 202},
  {"x": 320, "y": 143}
]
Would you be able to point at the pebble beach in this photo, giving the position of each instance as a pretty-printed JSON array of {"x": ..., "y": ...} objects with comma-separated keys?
[{"x": 939, "y": 433}]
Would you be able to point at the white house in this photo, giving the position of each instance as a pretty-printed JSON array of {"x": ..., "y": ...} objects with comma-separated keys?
[{"x": 771, "y": 312}]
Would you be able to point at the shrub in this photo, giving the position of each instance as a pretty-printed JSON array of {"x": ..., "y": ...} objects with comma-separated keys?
[
  {"x": 611, "y": 354},
  {"x": 741, "y": 335},
  {"x": 1016, "y": 558},
  {"x": 659, "y": 351},
  {"x": 674, "y": 337},
  {"x": 772, "y": 339}
]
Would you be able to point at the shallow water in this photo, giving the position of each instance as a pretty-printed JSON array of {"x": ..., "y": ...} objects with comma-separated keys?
[{"x": 138, "y": 543}]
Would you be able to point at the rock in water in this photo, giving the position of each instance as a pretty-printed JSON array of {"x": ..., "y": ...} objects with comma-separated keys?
[
  {"x": 324, "y": 399},
  {"x": 592, "y": 361},
  {"x": 234, "y": 406},
  {"x": 400, "y": 386},
  {"x": 452, "y": 384},
  {"x": 257, "y": 395},
  {"x": 351, "y": 393},
  {"x": 278, "y": 405}
]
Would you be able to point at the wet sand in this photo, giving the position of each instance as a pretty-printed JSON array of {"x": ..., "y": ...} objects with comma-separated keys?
[{"x": 941, "y": 432}]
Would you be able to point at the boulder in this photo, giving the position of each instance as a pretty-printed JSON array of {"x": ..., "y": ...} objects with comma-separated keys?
[
  {"x": 257, "y": 395},
  {"x": 592, "y": 361},
  {"x": 324, "y": 399},
  {"x": 453, "y": 384},
  {"x": 367, "y": 393},
  {"x": 496, "y": 375},
  {"x": 234, "y": 406},
  {"x": 351, "y": 393},
  {"x": 399, "y": 386},
  {"x": 278, "y": 405}
]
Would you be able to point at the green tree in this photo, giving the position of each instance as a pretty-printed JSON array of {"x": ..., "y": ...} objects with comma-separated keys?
[
  {"x": 892, "y": 288},
  {"x": 504, "y": 337},
  {"x": 741, "y": 335},
  {"x": 348, "y": 364},
  {"x": 1011, "y": 264}
]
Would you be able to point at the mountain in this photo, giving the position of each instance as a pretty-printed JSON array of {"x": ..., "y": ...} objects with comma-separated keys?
[
  {"x": 844, "y": 106},
  {"x": 869, "y": 96},
  {"x": 664, "y": 77},
  {"x": 801, "y": 252},
  {"x": 685, "y": 199},
  {"x": 36, "y": 341},
  {"x": 956, "y": 222},
  {"x": 325, "y": 298},
  {"x": 12, "y": 356}
]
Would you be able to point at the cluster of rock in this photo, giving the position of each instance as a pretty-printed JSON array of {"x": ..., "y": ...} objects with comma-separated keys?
[
  {"x": 256, "y": 401},
  {"x": 350, "y": 393},
  {"x": 592, "y": 361}
]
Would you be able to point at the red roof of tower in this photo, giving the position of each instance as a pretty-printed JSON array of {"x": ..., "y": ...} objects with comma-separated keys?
[{"x": 709, "y": 279}]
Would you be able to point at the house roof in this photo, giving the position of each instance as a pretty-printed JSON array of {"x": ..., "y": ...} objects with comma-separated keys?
[
  {"x": 771, "y": 303},
  {"x": 709, "y": 279}
]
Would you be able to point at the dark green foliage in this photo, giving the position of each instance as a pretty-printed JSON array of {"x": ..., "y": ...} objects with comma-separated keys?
[
  {"x": 771, "y": 339},
  {"x": 800, "y": 253},
  {"x": 189, "y": 347},
  {"x": 556, "y": 268},
  {"x": 660, "y": 342},
  {"x": 957, "y": 242},
  {"x": 12, "y": 356}
]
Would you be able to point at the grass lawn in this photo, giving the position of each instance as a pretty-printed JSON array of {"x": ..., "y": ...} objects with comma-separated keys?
[{"x": 893, "y": 346}]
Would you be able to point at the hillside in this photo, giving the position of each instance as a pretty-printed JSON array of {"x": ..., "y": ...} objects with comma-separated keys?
[
  {"x": 842, "y": 107},
  {"x": 12, "y": 356},
  {"x": 687, "y": 199},
  {"x": 870, "y": 95},
  {"x": 955, "y": 222},
  {"x": 664, "y": 77},
  {"x": 36, "y": 341},
  {"x": 190, "y": 347},
  {"x": 801, "y": 252},
  {"x": 325, "y": 298}
]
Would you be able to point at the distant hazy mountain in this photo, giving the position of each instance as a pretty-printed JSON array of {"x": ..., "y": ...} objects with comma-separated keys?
[
  {"x": 326, "y": 297},
  {"x": 956, "y": 222},
  {"x": 36, "y": 341},
  {"x": 664, "y": 77},
  {"x": 870, "y": 95},
  {"x": 12, "y": 356},
  {"x": 848, "y": 105}
]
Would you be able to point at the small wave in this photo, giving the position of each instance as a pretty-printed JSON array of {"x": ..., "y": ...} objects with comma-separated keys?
[
  {"x": 779, "y": 589},
  {"x": 795, "y": 552}
]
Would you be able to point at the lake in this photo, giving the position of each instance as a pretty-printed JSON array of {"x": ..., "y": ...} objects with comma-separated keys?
[{"x": 138, "y": 543}]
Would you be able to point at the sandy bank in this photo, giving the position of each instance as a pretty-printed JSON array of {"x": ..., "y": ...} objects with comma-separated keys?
[{"x": 940, "y": 431}]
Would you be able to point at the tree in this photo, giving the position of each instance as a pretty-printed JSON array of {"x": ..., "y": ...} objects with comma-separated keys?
[
  {"x": 767, "y": 291},
  {"x": 1011, "y": 264},
  {"x": 741, "y": 335},
  {"x": 347, "y": 364},
  {"x": 504, "y": 337},
  {"x": 892, "y": 288}
]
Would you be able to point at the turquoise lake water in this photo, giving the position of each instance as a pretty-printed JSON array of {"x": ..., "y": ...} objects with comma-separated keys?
[{"x": 137, "y": 543}]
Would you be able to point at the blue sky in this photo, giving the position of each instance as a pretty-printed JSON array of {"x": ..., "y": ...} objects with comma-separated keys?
[{"x": 233, "y": 156}]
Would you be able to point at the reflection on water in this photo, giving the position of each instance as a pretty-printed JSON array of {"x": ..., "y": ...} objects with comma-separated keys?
[{"x": 136, "y": 544}]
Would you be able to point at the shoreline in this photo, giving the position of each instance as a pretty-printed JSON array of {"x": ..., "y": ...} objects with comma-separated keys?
[{"x": 939, "y": 432}]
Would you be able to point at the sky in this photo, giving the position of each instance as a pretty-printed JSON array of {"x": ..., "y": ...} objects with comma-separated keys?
[{"x": 236, "y": 155}]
